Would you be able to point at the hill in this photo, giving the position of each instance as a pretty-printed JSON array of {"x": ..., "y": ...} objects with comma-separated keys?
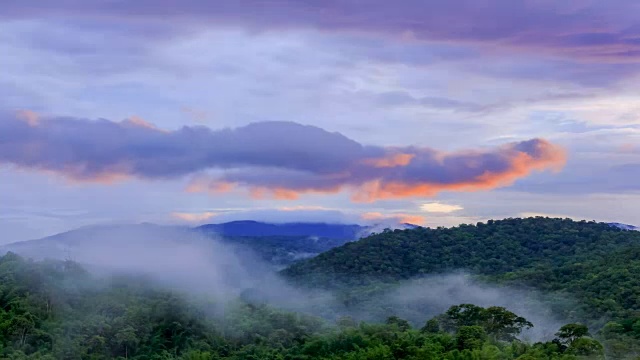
[
  {"x": 545, "y": 253},
  {"x": 64, "y": 245},
  {"x": 278, "y": 244},
  {"x": 54, "y": 309}
]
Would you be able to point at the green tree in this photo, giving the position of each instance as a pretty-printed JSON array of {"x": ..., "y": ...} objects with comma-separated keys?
[
  {"x": 504, "y": 325},
  {"x": 464, "y": 315},
  {"x": 583, "y": 346},
  {"x": 402, "y": 324},
  {"x": 470, "y": 337},
  {"x": 432, "y": 326},
  {"x": 127, "y": 340},
  {"x": 345, "y": 322},
  {"x": 571, "y": 332},
  {"x": 497, "y": 322}
]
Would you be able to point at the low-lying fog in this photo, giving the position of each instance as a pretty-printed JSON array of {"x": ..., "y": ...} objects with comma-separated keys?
[{"x": 194, "y": 264}]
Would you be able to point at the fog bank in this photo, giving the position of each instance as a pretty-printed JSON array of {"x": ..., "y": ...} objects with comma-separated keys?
[{"x": 199, "y": 265}]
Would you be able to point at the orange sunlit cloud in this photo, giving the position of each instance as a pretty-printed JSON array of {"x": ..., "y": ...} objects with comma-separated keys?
[
  {"x": 412, "y": 219},
  {"x": 628, "y": 148},
  {"x": 73, "y": 175},
  {"x": 102, "y": 179},
  {"x": 193, "y": 217},
  {"x": 28, "y": 116},
  {"x": 521, "y": 165},
  {"x": 390, "y": 161},
  {"x": 290, "y": 169},
  {"x": 140, "y": 122},
  {"x": 281, "y": 193},
  {"x": 203, "y": 184},
  {"x": 374, "y": 215},
  {"x": 397, "y": 217}
]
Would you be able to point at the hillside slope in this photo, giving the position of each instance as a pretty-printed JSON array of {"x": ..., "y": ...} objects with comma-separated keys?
[
  {"x": 550, "y": 254},
  {"x": 489, "y": 248}
]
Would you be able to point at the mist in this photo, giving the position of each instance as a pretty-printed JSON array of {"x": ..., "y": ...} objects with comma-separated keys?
[
  {"x": 196, "y": 265},
  {"x": 181, "y": 260},
  {"x": 419, "y": 300}
]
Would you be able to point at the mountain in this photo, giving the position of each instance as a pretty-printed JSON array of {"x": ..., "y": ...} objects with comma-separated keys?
[
  {"x": 278, "y": 244},
  {"x": 256, "y": 228},
  {"x": 624, "y": 226},
  {"x": 299, "y": 229},
  {"x": 65, "y": 244},
  {"x": 495, "y": 247},
  {"x": 544, "y": 253},
  {"x": 584, "y": 272}
]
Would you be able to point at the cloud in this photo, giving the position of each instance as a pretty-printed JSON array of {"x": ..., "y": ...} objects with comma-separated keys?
[
  {"x": 304, "y": 208},
  {"x": 437, "y": 207},
  {"x": 280, "y": 160},
  {"x": 193, "y": 217},
  {"x": 391, "y": 161},
  {"x": 28, "y": 116},
  {"x": 196, "y": 115},
  {"x": 138, "y": 121},
  {"x": 404, "y": 98},
  {"x": 586, "y": 30},
  {"x": 201, "y": 183},
  {"x": 396, "y": 218}
]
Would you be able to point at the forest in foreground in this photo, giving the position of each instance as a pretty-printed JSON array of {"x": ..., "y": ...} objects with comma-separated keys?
[{"x": 60, "y": 310}]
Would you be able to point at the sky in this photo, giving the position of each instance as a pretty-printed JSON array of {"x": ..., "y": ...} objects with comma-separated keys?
[{"x": 430, "y": 112}]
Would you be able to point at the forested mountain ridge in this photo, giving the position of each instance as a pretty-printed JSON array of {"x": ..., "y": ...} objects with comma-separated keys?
[
  {"x": 579, "y": 257},
  {"x": 492, "y": 248}
]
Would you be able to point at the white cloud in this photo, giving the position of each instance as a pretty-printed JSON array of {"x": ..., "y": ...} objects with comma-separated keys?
[{"x": 438, "y": 207}]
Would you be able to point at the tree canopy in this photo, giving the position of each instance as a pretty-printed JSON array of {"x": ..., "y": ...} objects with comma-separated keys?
[{"x": 56, "y": 310}]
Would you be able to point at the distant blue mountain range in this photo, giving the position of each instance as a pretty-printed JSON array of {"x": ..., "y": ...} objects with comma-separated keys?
[
  {"x": 256, "y": 228},
  {"x": 279, "y": 244}
]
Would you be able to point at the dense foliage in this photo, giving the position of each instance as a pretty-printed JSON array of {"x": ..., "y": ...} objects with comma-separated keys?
[
  {"x": 597, "y": 264},
  {"x": 285, "y": 250},
  {"x": 607, "y": 285},
  {"x": 56, "y": 310}
]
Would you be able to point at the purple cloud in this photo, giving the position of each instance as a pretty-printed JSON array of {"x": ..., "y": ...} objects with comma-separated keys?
[
  {"x": 279, "y": 159},
  {"x": 586, "y": 30}
]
